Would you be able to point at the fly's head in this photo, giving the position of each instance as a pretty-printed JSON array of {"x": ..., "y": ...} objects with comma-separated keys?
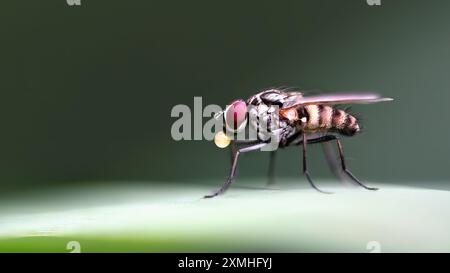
[
  {"x": 235, "y": 121},
  {"x": 235, "y": 116}
]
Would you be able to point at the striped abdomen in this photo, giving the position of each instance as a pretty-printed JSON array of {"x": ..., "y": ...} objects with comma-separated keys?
[{"x": 316, "y": 118}]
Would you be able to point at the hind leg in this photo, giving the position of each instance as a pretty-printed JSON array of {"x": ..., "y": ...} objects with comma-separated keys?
[
  {"x": 344, "y": 168},
  {"x": 347, "y": 171}
]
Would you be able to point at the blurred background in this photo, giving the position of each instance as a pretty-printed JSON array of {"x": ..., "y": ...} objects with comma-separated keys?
[{"x": 87, "y": 91}]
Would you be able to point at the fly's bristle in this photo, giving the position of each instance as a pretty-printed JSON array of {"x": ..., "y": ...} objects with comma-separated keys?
[
  {"x": 358, "y": 116},
  {"x": 288, "y": 89},
  {"x": 361, "y": 129}
]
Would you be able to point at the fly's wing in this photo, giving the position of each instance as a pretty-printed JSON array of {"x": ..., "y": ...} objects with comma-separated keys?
[
  {"x": 292, "y": 99},
  {"x": 332, "y": 99},
  {"x": 279, "y": 96}
]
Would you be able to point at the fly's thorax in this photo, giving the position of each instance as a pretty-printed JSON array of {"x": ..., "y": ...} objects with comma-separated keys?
[{"x": 263, "y": 120}]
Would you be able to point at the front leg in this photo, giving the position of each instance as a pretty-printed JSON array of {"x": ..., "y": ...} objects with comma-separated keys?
[{"x": 232, "y": 174}]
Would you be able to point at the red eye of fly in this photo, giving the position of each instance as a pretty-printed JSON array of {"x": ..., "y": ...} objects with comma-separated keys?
[{"x": 236, "y": 114}]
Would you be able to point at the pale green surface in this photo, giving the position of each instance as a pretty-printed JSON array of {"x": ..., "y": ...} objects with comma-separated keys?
[{"x": 140, "y": 217}]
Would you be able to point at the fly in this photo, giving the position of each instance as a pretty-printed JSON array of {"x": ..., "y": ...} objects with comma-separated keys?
[{"x": 295, "y": 120}]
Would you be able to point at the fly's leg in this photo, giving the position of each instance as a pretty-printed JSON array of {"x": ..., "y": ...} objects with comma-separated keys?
[
  {"x": 334, "y": 162},
  {"x": 342, "y": 158},
  {"x": 233, "y": 150},
  {"x": 344, "y": 167},
  {"x": 271, "y": 173},
  {"x": 246, "y": 142},
  {"x": 230, "y": 178},
  {"x": 232, "y": 174},
  {"x": 272, "y": 159},
  {"x": 305, "y": 168},
  {"x": 328, "y": 138}
]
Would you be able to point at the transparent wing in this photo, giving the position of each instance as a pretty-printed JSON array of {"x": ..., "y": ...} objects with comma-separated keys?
[
  {"x": 276, "y": 96},
  {"x": 280, "y": 95},
  {"x": 349, "y": 98},
  {"x": 333, "y": 161},
  {"x": 292, "y": 98}
]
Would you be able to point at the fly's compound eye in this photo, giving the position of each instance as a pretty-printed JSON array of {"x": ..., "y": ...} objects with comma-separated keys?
[{"x": 236, "y": 115}]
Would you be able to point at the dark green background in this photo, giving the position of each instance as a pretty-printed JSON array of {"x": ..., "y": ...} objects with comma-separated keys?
[{"x": 86, "y": 92}]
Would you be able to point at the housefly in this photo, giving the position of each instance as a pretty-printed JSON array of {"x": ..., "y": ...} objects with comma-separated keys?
[{"x": 294, "y": 120}]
